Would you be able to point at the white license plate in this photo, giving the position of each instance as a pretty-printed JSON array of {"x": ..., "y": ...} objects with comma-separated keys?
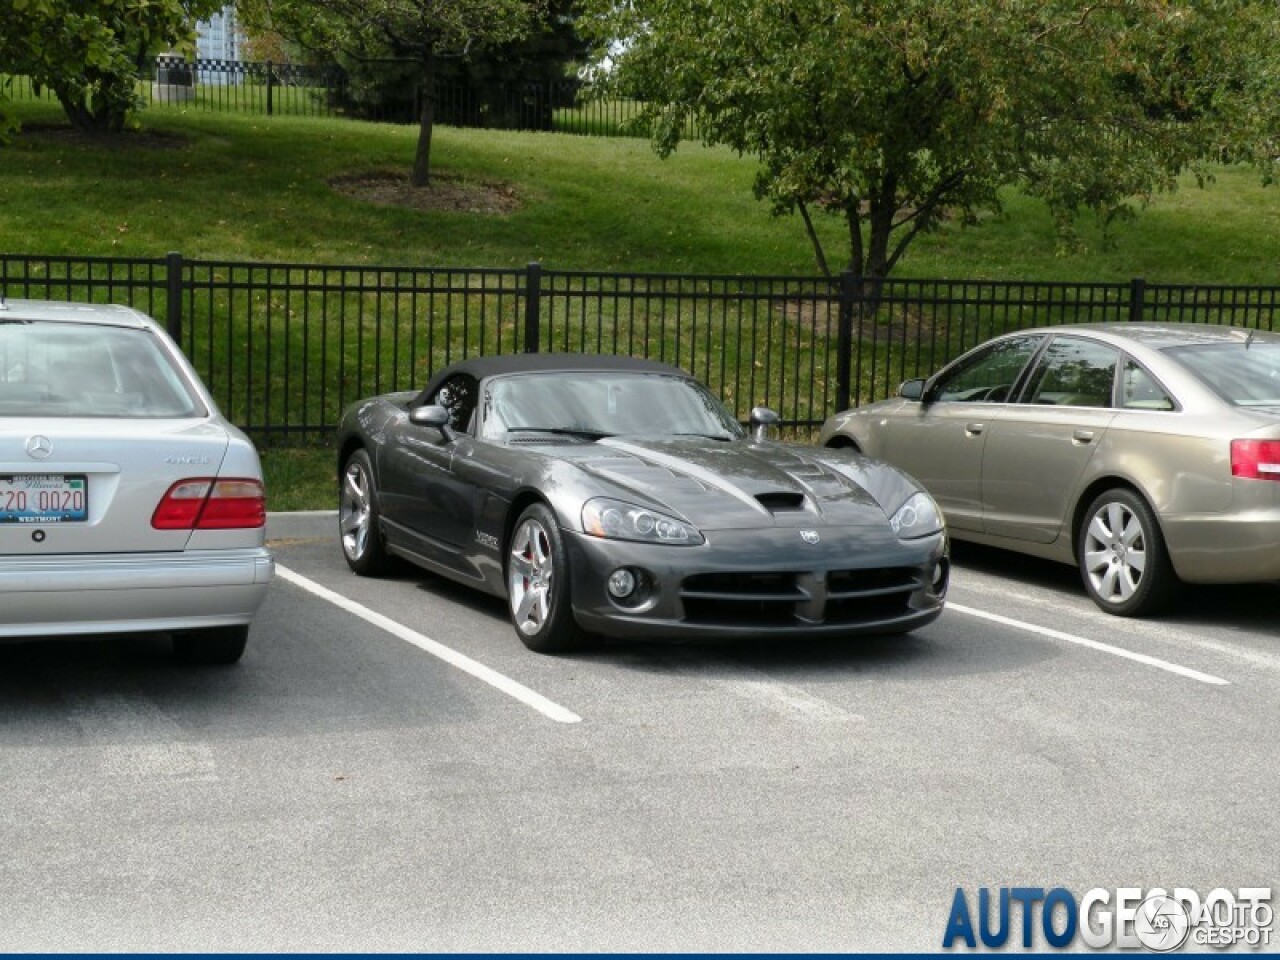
[{"x": 44, "y": 498}]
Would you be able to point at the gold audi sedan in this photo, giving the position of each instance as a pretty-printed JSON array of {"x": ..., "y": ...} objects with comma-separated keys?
[{"x": 1144, "y": 454}]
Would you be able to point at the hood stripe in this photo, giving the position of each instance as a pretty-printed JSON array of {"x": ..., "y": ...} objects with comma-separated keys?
[{"x": 680, "y": 465}]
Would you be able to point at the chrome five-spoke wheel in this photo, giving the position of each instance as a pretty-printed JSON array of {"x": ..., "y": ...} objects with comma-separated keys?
[
  {"x": 530, "y": 572},
  {"x": 538, "y": 583},
  {"x": 358, "y": 516}
]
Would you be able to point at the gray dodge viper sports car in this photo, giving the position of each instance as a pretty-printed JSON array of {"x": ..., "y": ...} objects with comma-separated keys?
[{"x": 609, "y": 495}]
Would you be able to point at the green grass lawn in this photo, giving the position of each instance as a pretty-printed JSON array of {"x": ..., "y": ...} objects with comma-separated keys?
[{"x": 258, "y": 188}]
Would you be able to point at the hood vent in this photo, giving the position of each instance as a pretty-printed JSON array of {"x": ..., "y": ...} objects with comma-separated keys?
[
  {"x": 546, "y": 441},
  {"x": 781, "y": 502}
]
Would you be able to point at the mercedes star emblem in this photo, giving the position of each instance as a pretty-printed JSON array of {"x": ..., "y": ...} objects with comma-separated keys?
[{"x": 39, "y": 448}]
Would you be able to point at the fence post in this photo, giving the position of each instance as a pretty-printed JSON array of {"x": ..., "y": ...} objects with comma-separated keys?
[
  {"x": 844, "y": 341},
  {"x": 270, "y": 73},
  {"x": 1137, "y": 296},
  {"x": 532, "y": 307},
  {"x": 173, "y": 296}
]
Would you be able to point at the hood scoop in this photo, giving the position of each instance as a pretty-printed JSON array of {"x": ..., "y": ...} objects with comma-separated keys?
[{"x": 782, "y": 501}]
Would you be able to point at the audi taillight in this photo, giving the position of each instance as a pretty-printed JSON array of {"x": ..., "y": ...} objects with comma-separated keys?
[
  {"x": 1255, "y": 459},
  {"x": 207, "y": 503}
]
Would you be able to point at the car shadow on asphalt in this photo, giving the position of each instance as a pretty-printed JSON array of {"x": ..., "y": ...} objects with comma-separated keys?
[
  {"x": 925, "y": 651},
  {"x": 1016, "y": 567},
  {"x": 45, "y": 674},
  {"x": 1248, "y": 606},
  {"x": 932, "y": 653}
]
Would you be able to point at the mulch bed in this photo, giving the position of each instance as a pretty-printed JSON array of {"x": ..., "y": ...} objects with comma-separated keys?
[{"x": 447, "y": 193}]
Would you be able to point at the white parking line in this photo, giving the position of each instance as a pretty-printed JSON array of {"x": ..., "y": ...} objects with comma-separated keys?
[
  {"x": 450, "y": 656},
  {"x": 1091, "y": 644}
]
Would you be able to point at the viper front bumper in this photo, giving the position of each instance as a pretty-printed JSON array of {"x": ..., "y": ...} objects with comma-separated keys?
[{"x": 758, "y": 583}]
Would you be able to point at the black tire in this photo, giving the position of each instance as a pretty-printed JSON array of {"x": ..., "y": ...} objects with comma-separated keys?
[
  {"x": 1121, "y": 555},
  {"x": 211, "y": 645},
  {"x": 359, "y": 526},
  {"x": 538, "y": 584}
]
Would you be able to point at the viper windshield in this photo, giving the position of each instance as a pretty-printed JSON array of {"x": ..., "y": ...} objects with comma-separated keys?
[{"x": 594, "y": 405}]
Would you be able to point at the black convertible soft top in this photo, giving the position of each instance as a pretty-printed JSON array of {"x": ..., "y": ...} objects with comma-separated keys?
[{"x": 499, "y": 365}]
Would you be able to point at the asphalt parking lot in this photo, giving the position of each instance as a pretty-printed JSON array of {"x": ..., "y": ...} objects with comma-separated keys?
[{"x": 388, "y": 769}]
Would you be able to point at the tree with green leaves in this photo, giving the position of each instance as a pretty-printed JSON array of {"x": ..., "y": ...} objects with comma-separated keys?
[
  {"x": 895, "y": 115},
  {"x": 520, "y": 85},
  {"x": 89, "y": 52},
  {"x": 420, "y": 32},
  {"x": 512, "y": 86}
]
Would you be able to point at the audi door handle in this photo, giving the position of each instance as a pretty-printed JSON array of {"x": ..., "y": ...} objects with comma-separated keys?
[
  {"x": 1082, "y": 436},
  {"x": 974, "y": 429}
]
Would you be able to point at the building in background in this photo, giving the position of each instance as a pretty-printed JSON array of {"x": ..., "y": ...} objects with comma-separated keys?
[{"x": 220, "y": 38}]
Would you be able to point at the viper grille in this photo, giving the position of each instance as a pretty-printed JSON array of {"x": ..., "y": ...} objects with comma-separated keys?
[{"x": 780, "y": 598}]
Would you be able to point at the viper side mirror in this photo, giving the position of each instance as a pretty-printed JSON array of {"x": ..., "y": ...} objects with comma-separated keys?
[
  {"x": 762, "y": 418},
  {"x": 433, "y": 415}
]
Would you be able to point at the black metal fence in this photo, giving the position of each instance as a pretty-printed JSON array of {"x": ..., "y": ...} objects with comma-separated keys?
[
  {"x": 285, "y": 347},
  {"x": 235, "y": 86},
  {"x": 285, "y": 89}
]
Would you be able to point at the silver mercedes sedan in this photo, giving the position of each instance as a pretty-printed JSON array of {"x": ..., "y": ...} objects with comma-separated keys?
[
  {"x": 127, "y": 503},
  {"x": 1144, "y": 454}
]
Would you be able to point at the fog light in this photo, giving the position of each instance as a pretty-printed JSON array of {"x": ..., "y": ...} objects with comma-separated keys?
[
  {"x": 622, "y": 583},
  {"x": 940, "y": 571}
]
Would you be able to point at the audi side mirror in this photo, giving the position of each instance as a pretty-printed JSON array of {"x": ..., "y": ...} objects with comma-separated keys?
[{"x": 912, "y": 389}]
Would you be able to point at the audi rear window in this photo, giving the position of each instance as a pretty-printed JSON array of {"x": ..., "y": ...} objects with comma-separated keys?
[{"x": 1246, "y": 374}]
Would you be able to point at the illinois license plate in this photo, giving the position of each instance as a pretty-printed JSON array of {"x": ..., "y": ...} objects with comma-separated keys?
[{"x": 44, "y": 498}]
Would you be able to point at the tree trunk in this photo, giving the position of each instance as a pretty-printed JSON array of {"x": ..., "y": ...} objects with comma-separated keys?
[
  {"x": 95, "y": 118},
  {"x": 426, "y": 119},
  {"x": 868, "y": 264},
  {"x": 884, "y": 206},
  {"x": 853, "y": 221},
  {"x": 814, "y": 239},
  {"x": 73, "y": 106}
]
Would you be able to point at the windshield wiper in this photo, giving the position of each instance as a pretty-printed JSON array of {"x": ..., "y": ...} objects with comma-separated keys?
[
  {"x": 704, "y": 436},
  {"x": 564, "y": 431}
]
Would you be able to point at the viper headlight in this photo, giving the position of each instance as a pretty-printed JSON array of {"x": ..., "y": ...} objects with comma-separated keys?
[
  {"x": 615, "y": 520},
  {"x": 918, "y": 517}
]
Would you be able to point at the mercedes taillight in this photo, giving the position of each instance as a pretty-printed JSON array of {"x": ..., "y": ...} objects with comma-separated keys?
[{"x": 208, "y": 503}]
